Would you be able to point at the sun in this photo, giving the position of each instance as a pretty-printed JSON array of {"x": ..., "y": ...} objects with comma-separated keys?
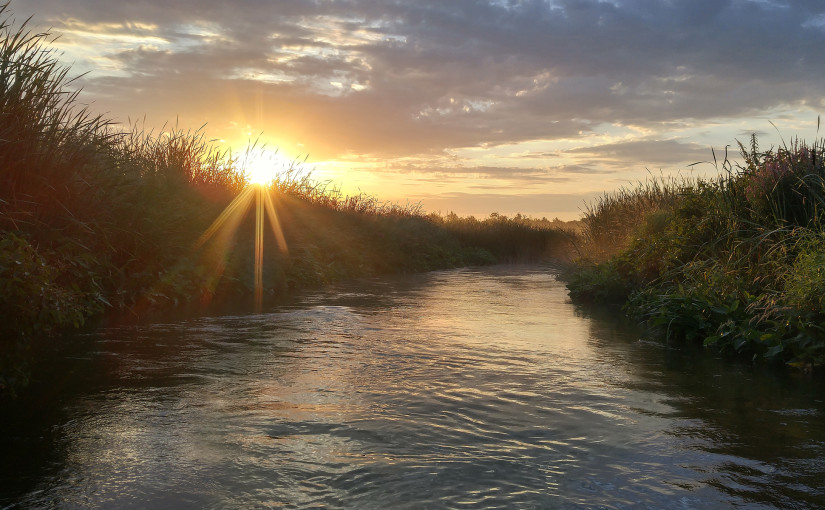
[{"x": 262, "y": 166}]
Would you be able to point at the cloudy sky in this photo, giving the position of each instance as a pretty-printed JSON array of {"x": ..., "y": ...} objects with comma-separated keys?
[{"x": 470, "y": 106}]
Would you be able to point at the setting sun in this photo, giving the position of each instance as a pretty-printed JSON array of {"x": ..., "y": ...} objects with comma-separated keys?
[
  {"x": 262, "y": 166},
  {"x": 489, "y": 253}
]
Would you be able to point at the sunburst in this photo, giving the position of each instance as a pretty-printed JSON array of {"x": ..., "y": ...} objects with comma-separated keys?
[{"x": 261, "y": 173}]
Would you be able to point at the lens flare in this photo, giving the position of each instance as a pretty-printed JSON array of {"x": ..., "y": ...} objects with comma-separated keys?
[
  {"x": 228, "y": 222},
  {"x": 259, "y": 249},
  {"x": 263, "y": 166}
]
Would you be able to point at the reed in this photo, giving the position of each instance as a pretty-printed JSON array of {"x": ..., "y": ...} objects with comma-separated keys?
[
  {"x": 99, "y": 223},
  {"x": 516, "y": 239},
  {"x": 610, "y": 222},
  {"x": 732, "y": 262},
  {"x": 48, "y": 145}
]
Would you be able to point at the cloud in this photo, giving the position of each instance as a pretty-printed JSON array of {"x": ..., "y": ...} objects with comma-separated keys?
[
  {"x": 564, "y": 205},
  {"x": 396, "y": 79},
  {"x": 435, "y": 167},
  {"x": 641, "y": 152}
]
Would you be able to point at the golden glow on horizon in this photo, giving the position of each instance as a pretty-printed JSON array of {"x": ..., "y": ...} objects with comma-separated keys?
[{"x": 341, "y": 89}]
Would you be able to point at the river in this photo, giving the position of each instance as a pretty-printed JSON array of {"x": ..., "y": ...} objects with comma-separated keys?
[{"x": 470, "y": 388}]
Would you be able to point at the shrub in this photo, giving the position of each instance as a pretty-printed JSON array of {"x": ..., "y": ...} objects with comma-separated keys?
[
  {"x": 786, "y": 187},
  {"x": 735, "y": 263},
  {"x": 804, "y": 282}
]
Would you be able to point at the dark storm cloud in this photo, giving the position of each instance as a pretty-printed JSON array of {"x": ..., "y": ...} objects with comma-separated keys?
[{"x": 420, "y": 77}]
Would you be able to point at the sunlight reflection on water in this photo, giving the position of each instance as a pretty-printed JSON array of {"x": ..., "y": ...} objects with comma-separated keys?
[{"x": 479, "y": 388}]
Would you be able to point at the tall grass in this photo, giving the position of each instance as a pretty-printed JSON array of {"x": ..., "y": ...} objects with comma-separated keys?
[
  {"x": 48, "y": 145},
  {"x": 733, "y": 262},
  {"x": 98, "y": 222},
  {"x": 610, "y": 222},
  {"x": 515, "y": 239},
  {"x": 295, "y": 182}
]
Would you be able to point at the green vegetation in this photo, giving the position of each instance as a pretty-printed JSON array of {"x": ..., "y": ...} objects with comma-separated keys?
[
  {"x": 100, "y": 223},
  {"x": 735, "y": 263}
]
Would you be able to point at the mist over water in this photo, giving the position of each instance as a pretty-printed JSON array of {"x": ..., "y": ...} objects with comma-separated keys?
[{"x": 473, "y": 388}]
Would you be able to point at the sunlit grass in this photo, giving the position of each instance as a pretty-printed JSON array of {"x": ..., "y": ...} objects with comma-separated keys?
[
  {"x": 610, "y": 222},
  {"x": 263, "y": 166},
  {"x": 100, "y": 222},
  {"x": 719, "y": 261}
]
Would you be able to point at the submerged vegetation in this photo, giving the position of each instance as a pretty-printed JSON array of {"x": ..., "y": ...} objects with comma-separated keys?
[
  {"x": 97, "y": 222},
  {"x": 736, "y": 263}
]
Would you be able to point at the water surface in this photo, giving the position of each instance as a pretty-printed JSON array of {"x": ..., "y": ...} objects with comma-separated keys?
[{"x": 473, "y": 388}]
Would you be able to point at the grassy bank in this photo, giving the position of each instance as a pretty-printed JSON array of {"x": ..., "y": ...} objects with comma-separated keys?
[
  {"x": 97, "y": 222},
  {"x": 736, "y": 263}
]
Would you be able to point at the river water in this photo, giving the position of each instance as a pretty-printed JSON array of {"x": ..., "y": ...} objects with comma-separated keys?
[{"x": 472, "y": 388}]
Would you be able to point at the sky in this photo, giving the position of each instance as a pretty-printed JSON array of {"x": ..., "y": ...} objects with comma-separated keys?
[{"x": 465, "y": 106}]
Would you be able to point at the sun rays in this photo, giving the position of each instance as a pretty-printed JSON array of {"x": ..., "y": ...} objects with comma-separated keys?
[{"x": 227, "y": 223}]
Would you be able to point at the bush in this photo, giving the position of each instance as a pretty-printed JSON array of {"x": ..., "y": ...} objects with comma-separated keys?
[
  {"x": 734, "y": 263},
  {"x": 804, "y": 282},
  {"x": 94, "y": 220},
  {"x": 35, "y": 302},
  {"x": 786, "y": 187}
]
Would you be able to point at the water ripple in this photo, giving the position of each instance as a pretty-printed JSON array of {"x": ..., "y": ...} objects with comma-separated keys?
[{"x": 461, "y": 389}]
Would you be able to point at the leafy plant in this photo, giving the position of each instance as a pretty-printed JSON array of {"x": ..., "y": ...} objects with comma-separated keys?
[{"x": 734, "y": 263}]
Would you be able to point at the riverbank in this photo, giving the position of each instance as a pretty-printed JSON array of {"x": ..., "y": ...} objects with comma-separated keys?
[
  {"x": 735, "y": 263},
  {"x": 99, "y": 224}
]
